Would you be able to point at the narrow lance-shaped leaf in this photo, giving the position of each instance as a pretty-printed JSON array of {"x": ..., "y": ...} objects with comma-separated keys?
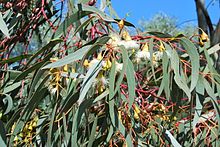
[
  {"x": 171, "y": 139},
  {"x": 93, "y": 132},
  {"x": 15, "y": 59},
  {"x": 179, "y": 77},
  {"x": 194, "y": 57},
  {"x": 88, "y": 81},
  {"x": 199, "y": 101},
  {"x": 50, "y": 45},
  {"x": 9, "y": 102},
  {"x": 2, "y": 134},
  {"x": 211, "y": 93},
  {"x": 3, "y": 26},
  {"x": 69, "y": 21},
  {"x": 77, "y": 55},
  {"x": 112, "y": 79},
  {"x": 131, "y": 82},
  {"x": 125, "y": 64}
]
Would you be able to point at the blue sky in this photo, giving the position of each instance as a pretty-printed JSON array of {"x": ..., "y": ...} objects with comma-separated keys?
[{"x": 183, "y": 10}]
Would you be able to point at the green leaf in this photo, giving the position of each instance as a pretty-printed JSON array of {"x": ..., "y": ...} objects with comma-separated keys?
[
  {"x": 199, "y": 101},
  {"x": 37, "y": 78},
  {"x": 78, "y": 118},
  {"x": 112, "y": 80},
  {"x": 110, "y": 133},
  {"x": 2, "y": 135},
  {"x": 8, "y": 101},
  {"x": 13, "y": 118},
  {"x": 151, "y": 47},
  {"x": 112, "y": 113},
  {"x": 3, "y": 26},
  {"x": 126, "y": 23},
  {"x": 68, "y": 103},
  {"x": 28, "y": 110},
  {"x": 214, "y": 49},
  {"x": 99, "y": 43},
  {"x": 36, "y": 66},
  {"x": 66, "y": 133},
  {"x": 165, "y": 84},
  {"x": 160, "y": 35},
  {"x": 194, "y": 57},
  {"x": 50, "y": 131},
  {"x": 129, "y": 140},
  {"x": 77, "y": 55},
  {"x": 173, "y": 141},
  {"x": 121, "y": 76},
  {"x": 89, "y": 79},
  {"x": 179, "y": 76},
  {"x": 69, "y": 21},
  {"x": 11, "y": 87},
  {"x": 86, "y": 23},
  {"x": 14, "y": 59},
  {"x": 101, "y": 96},
  {"x": 211, "y": 93},
  {"x": 93, "y": 132},
  {"x": 102, "y": 15},
  {"x": 131, "y": 82},
  {"x": 47, "y": 47}
]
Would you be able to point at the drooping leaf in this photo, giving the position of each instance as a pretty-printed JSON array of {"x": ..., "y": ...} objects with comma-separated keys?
[
  {"x": 126, "y": 23},
  {"x": 11, "y": 87},
  {"x": 160, "y": 35},
  {"x": 179, "y": 76},
  {"x": 131, "y": 82},
  {"x": 50, "y": 45},
  {"x": 77, "y": 55},
  {"x": 99, "y": 43},
  {"x": 194, "y": 57},
  {"x": 3, "y": 26},
  {"x": 69, "y": 21},
  {"x": 93, "y": 132},
  {"x": 14, "y": 59},
  {"x": 2, "y": 135},
  {"x": 84, "y": 24},
  {"x": 173, "y": 141},
  {"x": 102, "y": 15},
  {"x": 199, "y": 101},
  {"x": 9, "y": 102},
  {"x": 112, "y": 80},
  {"x": 89, "y": 79},
  {"x": 36, "y": 66}
]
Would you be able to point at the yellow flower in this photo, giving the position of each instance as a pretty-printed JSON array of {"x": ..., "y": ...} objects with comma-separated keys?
[
  {"x": 161, "y": 47},
  {"x": 99, "y": 57},
  {"x": 136, "y": 109},
  {"x": 65, "y": 68},
  {"x": 204, "y": 37},
  {"x": 145, "y": 47},
  {"x": 100, "y": 82},
  {"x": 107, "y": 65},
  {"x": 121, "y": 24},
  {"x": 86, "y": 63},
  {"x": 136, "y": 113},
  {"x": 30, "y": 127},
  {"x": 126, "y": 36},
  {"x": 201, "y": 43},
  {"x": 16, "y": 138},
  {"x": 136, "y": 116},
  {"x": 119, "y": 115}
]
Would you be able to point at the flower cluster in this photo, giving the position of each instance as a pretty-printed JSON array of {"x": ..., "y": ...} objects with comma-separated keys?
[{"x": 27, "y": 134}]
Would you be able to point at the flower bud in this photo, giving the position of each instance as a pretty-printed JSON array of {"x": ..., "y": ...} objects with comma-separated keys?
[{"x": 121, "y": 24}]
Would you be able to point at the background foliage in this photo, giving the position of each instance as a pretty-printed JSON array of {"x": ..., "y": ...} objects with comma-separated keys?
[{"x": 71, "y": 75}]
